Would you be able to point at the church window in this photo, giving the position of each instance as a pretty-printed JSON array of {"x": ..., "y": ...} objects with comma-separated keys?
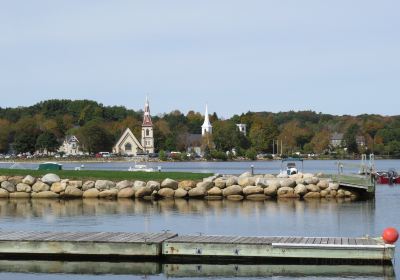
[
  {"x": 128, "y": 147},
  {"x": 147, "y": 132}
]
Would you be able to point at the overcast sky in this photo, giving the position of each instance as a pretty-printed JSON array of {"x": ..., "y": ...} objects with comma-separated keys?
[{"x": 340, "y": 57}]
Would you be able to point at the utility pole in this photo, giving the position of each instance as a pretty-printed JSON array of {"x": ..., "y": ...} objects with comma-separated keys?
[
  {"x": 273, "y": 146},
  {"x": 281, "y": 147}
]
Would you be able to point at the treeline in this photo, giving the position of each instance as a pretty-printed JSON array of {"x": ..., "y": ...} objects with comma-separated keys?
[{"x": 44, "y": 126}]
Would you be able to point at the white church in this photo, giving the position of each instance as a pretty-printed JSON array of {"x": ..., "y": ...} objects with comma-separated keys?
[{"x": 129, "y": 145}]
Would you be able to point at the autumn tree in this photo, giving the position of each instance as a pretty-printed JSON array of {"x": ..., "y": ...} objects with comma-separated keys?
[{"x": 262, "y": 133}]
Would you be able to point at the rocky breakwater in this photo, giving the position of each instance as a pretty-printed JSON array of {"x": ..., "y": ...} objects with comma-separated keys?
[{"x": 218, "y": 187}]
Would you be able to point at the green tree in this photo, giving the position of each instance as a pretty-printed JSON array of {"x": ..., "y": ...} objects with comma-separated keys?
[
  {"x": 350, "y": 138},
  {"x": 251, "y": 154},
  {"x": 95, "y": 138},
  {"x": 24, "y": 142},
  {"x": 226, "y": 136},
  {"x": 47, "y": 141}
]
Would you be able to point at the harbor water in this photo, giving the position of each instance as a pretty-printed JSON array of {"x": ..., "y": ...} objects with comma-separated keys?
[{"x": 247, "y": 218}]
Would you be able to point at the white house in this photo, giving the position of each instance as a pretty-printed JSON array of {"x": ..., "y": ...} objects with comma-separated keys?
[{"x": 71, "y": 146}]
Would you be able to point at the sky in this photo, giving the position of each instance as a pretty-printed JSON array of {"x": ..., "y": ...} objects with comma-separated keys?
[{"x": 337, "y": 57}]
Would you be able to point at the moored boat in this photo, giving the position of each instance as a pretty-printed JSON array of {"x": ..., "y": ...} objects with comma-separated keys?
[{"x": 387, "y": 177}]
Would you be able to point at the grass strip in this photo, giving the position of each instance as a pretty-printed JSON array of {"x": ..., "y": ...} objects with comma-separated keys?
[{"x": 107, "y": 174}]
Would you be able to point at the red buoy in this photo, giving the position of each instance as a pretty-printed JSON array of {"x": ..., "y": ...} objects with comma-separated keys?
[{"x": 390, "y": 235}]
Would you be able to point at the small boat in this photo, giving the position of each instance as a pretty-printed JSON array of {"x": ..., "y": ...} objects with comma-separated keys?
[
  {"x": 291, "y": 167},
  {"x": 141, "y": 167},
  {"x": 387, "y": 177},
  {"x": 50, "y": 166}
]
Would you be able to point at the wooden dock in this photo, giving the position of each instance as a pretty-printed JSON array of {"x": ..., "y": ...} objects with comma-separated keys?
[
  {"x": 285, "y": 248},
  {"x": 167, "y": 247}
]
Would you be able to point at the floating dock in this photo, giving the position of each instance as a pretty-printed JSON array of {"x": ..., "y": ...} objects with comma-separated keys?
[{"x": 169, "y": 247}]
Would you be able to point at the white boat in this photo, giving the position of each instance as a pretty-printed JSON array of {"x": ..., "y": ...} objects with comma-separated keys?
[
  {"x": 291, "y": 167},
  {"x": 141, "y": 167}
]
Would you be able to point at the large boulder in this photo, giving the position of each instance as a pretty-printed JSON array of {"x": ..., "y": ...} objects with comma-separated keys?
[
  {"x": 246, "y": 174},
  {"x": 311, "y": 180},
  {"x": 169, "y": 183},
  {"x": 333, "y": 186},
  {"x": 124, "y": 184},
  {"x": 29, "y": 180},
  {"x": 15, "y": 180},
  {"x": 40, "y": 187},
  {"x": 262, "y": 182},
  {"x": 250, "y": 190},
  {"x": 187, "y": 185},
  {"x": 269, "y": 176},
  {"x": 246, "y": 181},
  {"x": 88, "y": 185},
  {"x": 58, "y": 187},
  {"x": 142, "y": 192},
  {"x": 324, "y": 193},
  {"x": 166, "y": 193},
  {"x": 91, "y": 193},
  {"x": 287, "y": 192},
  {"x": 271, "y": 190},
  {"x": 102, "y": 185},
  {"x": 153, "y": 185},
  {"x": 323, "y": 184},
  {"x": 312, "y": 195},
  {"x": 3, "y": 178},
  {"x": 300, "y": 181},
  {"x": 282, "y": 176},
  {"x": 73, "y": 192},
  {"x": 215, "y": 191},
  {"x": 76, "y": 184},
  {"x": 300, "y": 189},
  {"x": 197, "y": 192},
  {"x": 21, "y": 187},
  {"x": 220, "y": 183},
  {"x": 10, "y": 187},
  {"x": 126, "y": 193},
  {"x": 139, "y": 184},
  {"x": 50, "y": 178},
  {"x": 232, "y": 190},
  {"x": 110, "y": 194},
  {"x": 231, "y": 181},
  {"x": 256, "y": 197},
  {"x": 4, "y": 193},
  {"x": 288, "y": 183},
  {"x": 308, "y": 175},
  {"x": 235, "y": 197},
  {"x": 313, "y": 188},
  {"x": 44, "y": 194},
  {"x": 180, "y": 193},
  {"x": 20, "y": 195},
  {"x": 205, "y": 184}
]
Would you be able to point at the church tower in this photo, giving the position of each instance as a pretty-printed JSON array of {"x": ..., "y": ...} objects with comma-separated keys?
[
  {"x": 147, "y": 130},
  {"x": 206, "y": 128}
]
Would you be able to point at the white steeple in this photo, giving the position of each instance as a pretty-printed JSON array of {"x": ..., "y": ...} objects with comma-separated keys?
[{"x": 206, "y": 128}]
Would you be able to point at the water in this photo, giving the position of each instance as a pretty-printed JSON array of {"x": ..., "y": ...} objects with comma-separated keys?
[{"x": 286, "y": 217}]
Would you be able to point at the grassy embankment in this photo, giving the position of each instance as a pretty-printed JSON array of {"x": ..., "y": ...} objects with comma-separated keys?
[{"x": 107, "y": 175}]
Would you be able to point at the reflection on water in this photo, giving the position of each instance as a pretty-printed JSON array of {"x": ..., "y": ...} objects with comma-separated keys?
[
  {"x": 195, "y": 270},
  {"x": 27, "y": 208}
]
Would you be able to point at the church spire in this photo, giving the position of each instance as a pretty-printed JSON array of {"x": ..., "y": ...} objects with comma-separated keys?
[
  {"x": 206, "y": 128},
  {"x": 146, "y": 117}
]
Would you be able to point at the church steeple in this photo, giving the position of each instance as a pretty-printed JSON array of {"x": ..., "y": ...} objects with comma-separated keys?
[
  {"x": 146, "y": 117},
  {"x": 206, "y": 128},
  {"x": 147, "y": 129}
]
